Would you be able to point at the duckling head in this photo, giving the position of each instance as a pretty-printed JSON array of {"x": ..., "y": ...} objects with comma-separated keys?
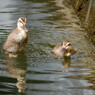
[
  {"x": 67, "y": 49},
  {"x": 21, "y": 24},
  {"x": 66, "y": 45}
]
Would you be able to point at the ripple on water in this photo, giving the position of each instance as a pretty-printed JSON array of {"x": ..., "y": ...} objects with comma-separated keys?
[{"x": 49, "y": 22}]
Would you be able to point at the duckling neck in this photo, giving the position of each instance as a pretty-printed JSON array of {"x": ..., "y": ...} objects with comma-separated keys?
[
  {"x": 21, "y": 35},
  {"x": 20, "y": 28}
]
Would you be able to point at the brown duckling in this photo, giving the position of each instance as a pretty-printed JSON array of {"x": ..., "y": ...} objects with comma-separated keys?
[
  {"x": 65, "y": 49},
  {"x": 17, "y": 39}
]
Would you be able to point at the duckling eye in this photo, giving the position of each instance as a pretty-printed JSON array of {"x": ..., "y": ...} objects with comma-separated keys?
[
  {"x": 20, "y": 24},
  {"x": 20, "y": 21},
  {"x": 69, "y": 44}
]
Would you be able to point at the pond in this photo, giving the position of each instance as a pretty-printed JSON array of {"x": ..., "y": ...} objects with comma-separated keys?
[{"x": 38, "y": 72}]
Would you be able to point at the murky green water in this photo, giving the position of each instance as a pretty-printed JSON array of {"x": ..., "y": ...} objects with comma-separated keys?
[{"x": 38, "y": 72}]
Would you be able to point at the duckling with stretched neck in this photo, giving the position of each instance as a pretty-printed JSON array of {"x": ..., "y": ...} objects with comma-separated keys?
[
  {"x": 17, "y": 39},
  {"x": 65, "y": 49}
]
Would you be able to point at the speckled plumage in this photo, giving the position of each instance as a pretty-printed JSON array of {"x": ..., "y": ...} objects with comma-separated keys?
[
  {"x": 16, "y": 40},
  {"x": 64, "y": 49}
]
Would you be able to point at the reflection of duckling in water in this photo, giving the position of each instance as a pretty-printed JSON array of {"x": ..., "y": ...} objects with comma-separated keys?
[
  {"x": 21, "y": 84},
  {"x": 17, "y": 39},
  {"x": 64, "y": 49},
  {"x": 17, "y": 68},
  {"x": 66, "y": 62}
]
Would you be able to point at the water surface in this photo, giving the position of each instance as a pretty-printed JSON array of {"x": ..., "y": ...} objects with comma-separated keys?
[{"x": 38, "y": 72}]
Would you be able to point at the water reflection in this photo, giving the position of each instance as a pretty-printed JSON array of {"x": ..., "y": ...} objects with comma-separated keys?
[
  {"x": 49, "y": 22},
  {"x": 66, "y": 62},
  {"x": 17, "y": 68}
]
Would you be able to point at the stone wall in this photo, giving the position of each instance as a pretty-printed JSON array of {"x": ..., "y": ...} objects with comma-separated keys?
[{"x": 85, "y": 10}]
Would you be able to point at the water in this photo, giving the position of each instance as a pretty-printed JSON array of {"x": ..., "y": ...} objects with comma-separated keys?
[{"x": 38, "y": 72}]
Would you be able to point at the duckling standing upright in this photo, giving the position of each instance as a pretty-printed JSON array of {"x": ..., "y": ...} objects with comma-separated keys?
[
  {"x": 64, "y": 49},
  {"x": 17, "y": 39}
]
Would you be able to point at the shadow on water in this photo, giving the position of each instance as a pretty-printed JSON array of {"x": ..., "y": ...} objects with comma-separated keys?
[{"x": 38, "y": 72}]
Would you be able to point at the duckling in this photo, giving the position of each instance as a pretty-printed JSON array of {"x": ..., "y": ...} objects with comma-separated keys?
[
  {"x": 64, "y": 49},
  {"x": 17, "y": 39}
]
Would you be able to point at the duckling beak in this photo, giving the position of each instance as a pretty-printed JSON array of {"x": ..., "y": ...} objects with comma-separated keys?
[{"x": 63, "y": 50}]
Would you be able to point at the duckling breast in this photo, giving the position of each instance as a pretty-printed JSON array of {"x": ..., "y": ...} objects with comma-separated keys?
[{"x": 20, "y": 37}]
